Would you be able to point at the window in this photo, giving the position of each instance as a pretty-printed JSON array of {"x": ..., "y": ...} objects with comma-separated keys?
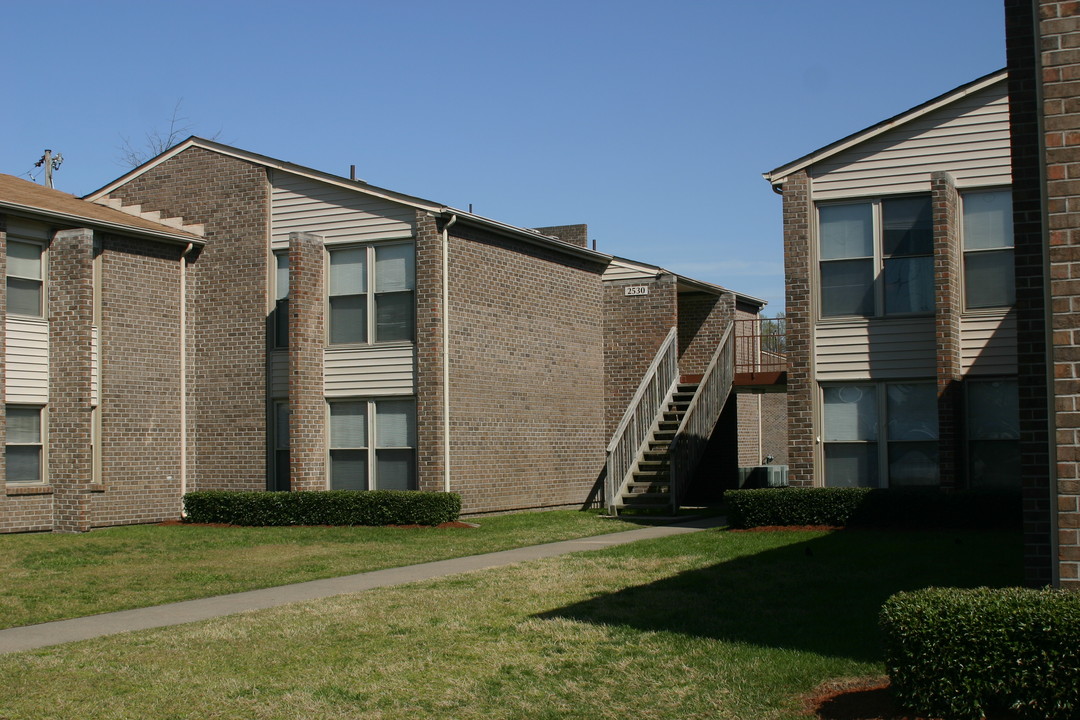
[
  {"x": 280, "y": 321},
  {"x": 988, "y": 250},
  {"x": 280, "y": 478},
  {"x": 24, "y": 449},
  {"x": 993, "y": 430},
  {"x": 888, "y": 241},
  {"x": 353, "y": 447},
  {"x": 880, "y": 435},
  {"x": 24, "y": 278},
  {"x": 370, "y": 292}
]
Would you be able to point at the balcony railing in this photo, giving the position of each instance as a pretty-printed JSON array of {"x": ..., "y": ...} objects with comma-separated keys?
[{"x": 760, "y": 346}]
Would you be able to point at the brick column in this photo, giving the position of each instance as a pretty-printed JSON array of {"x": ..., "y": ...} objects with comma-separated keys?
[
  {"x": 71, "y": 314},
  {"x": 307, "y": 340},
  {"x": 947, "y": 310},
  {"x": 799, "y": 272},
  {"x": 429, "y": 354},
  {"x": 1032, "y": 342}
]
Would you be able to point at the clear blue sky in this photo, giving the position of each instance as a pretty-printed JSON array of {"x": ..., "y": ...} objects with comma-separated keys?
[{"x": 650, "y": 121}]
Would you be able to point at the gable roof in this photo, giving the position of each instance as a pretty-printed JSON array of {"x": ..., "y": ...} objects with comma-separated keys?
[
  {"x": 687, "y": 283},
  {"x": 777, "y": 176},
  {"x": 22, "y": 197},
  {"x": 463, "y": 216}
]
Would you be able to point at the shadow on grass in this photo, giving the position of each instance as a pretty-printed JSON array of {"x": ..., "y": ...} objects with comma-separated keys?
[{"x": 808, "y": 593}]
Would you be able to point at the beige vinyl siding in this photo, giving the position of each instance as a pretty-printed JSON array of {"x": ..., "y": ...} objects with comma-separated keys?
[
  {"x": 338, "y": 214},
  {"x": 988, "y": 344},
  {"x": 968, "y": 138},
  {"x": 861, "y": 349},
  {"x": 372, "y": 371},
  {"x": 279, "y": 374},
  {"x": 621, "y": 270},
  {"x": 27, "y": 362}
]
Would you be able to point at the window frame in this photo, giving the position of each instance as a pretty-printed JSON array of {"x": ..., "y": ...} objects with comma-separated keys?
[
  {"x": 965, "y": 253},
  {"x": 42, "y": 282},
  {"x": 370, "y": 293},
  {"x": 371, "y": 446},
  {"x": 882, "y": 441},
  {"x": 878, "y": 259},
  {"x": 42, "y": 444}
]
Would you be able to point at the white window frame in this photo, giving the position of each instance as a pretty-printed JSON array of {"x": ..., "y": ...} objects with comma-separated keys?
[
  {"x": 877, "y": 260},
  {"x": 371, "y": 447},
  {"x": 42, "y": 444},
  {"x": 369, "y": 293},
  {"x": 42, "y": 281},
  {"x": 883, "y": 440},
  {"x": 965, "y": 253}
]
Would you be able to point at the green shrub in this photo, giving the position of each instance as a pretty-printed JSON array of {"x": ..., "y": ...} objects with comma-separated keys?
[
  {"x": 958, "y": 654},
  {"x": 330, "y": 507},
  {"x": 875, "y": 507}
]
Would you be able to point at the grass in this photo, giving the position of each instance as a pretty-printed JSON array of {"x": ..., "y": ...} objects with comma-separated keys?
[
  {"x": 714, "y": 624},
  {"x": 50, "y": 577}
]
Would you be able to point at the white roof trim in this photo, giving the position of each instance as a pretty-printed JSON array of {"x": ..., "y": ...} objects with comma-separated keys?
[{"x": 776, "y": 177}]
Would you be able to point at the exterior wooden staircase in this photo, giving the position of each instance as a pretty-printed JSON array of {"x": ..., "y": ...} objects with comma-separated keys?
[{"x": 650, "y": 485}]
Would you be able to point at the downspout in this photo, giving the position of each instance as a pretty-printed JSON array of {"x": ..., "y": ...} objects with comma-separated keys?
[
  {"x": 446, "y": 350},
  {"x": 183, "y": 377}
]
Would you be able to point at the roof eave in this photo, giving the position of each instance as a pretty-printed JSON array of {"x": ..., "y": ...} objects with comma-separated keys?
[
  {"x": 82, "y": 221},
  {"x": 526, "y": 235}
]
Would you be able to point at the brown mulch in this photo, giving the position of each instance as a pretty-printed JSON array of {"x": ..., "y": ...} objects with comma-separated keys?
[
  {"x": 775, "y": 528},
  {"x": 456, "y": 524},
  {"x": 863, "y": 699}
]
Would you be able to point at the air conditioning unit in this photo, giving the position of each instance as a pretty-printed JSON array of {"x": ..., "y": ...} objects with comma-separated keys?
[{"x": 763, "y": 476}]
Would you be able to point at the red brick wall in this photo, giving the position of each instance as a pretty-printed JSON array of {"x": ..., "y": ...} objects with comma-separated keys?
[
  {"x": 139, "y": 389},
  {"x": 798, "y": 270},
  {"x": 429, "y": 354},
  {"x": 947, "y": 311},
  {"x": 703, "y": 318},
  {"x": 774, "y": 427},
  {"x": 634, "y": 329},
  {"x": 573, "y": 234},
  {"x": 526, "y": 374},
  {"x": 227, "y": 309},
  {"x": 307, "y": 339}
]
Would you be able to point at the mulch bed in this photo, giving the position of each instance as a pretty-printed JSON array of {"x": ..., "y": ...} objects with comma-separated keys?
[
  {"x": 864, "y": 699},
  {"x": 776, "y": 528}
]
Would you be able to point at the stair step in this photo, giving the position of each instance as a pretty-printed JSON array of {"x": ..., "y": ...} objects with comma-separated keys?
[
  {"x": 638, "y": 499},
  {"x": 665, "y": 425},
  {"x": 657, "y": 463},
  {"x": 643, "y": 506},
  {"x": 636, "y": 488}
]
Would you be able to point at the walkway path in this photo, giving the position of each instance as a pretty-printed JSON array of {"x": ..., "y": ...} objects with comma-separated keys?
[{"x": 30, "y": 637}]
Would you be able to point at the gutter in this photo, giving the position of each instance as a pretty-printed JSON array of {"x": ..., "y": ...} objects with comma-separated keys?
[
  {"x": 183, "y": 376},
  {"x": 446, "y": 350},
  {"x": 83, "y": 221}
]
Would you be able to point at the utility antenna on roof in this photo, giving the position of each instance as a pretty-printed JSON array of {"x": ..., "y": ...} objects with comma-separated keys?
[{"x": 51, "y": 163}]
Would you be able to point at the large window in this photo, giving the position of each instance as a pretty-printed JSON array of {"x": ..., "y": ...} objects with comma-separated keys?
[
  {"x": 879, "y": 435},
  {"x": 280, "y": 478},
  {"x": 373, "y": 444},
  {"x": 24, "y": 278},
  {"x": 887, "y": 242},
  {"x": 988, "y": 250},
  {"x": 371, "y": 290},
  {"x": 25, "y": 447},
  {"x": 993, "y": 431}
]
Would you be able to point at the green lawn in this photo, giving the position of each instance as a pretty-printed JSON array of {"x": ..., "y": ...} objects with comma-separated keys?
[
  {"x": 709, "y": 625},
  {"x": 49, "y": 577}
]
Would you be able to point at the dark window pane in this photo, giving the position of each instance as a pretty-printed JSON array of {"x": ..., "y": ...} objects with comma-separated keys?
[
  {"x": 348, "y": 470},
  {"x": 394, "y": 317},
  {"x": 995, "y": 463},
  {"x": 847, "y": 287},
  {"x": 281, "y": 323},
  {"x": 281, "y": 470},
  {"x": 396, "y": 470},
  {"x": 851, "y": 465},
  {"x": 989, "y": 279},
  {"x": 913, "y": 463},
  {"x": 348, "y": 319},
  {"x": 24, "y": 296},
  {"x": 907, "y": 226},
  {"x": 909, "y": 285},
  {"x": 23, "y": 463}
]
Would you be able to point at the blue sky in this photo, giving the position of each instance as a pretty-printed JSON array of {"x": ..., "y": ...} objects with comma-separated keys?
[{"x": 650, "y": 121}]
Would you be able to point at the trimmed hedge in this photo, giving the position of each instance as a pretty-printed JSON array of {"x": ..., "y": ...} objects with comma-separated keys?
[
  {"x": 958, "y": 654},
  {"x": 324, "y": 507},
  {"x": 875, "y": 507}
]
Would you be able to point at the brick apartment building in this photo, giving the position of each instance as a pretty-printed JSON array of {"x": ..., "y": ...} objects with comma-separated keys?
[{"x": 291, "y": 329}]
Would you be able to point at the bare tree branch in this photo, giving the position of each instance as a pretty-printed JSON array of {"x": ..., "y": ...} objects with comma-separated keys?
[{"x": 158, "y": 141}]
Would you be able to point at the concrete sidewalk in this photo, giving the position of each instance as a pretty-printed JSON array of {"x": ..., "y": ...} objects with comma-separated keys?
[{"x": 30, "y": 637}]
